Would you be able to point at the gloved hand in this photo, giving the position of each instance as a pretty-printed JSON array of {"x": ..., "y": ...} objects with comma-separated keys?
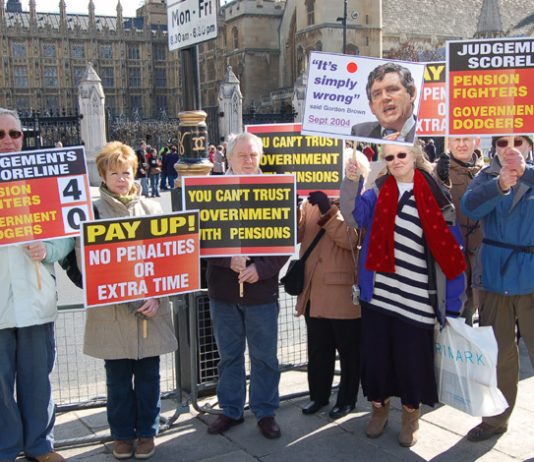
[
  {"x": 320, "y": 199},
  {"x": 442, "y": 167}
]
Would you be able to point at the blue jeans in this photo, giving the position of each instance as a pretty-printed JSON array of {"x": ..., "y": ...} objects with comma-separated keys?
[
  {"x": 257, "y": 325},
  {"x": 26, "y": 357},
  {"x": 133, "y": 406},
  {"x": 144, "y": 185},
  {"x": 154, "y": 184}
]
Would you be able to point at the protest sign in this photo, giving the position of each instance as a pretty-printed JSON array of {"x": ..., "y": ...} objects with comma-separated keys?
[
  {"x": 316, "y": 161},
  {"x": 490, "y": 87},
  {"x": 337, "y": 102},
  {"x": 243, "y": 214},
  {"x": 135, "y": 258},
  {"x": 44, "y": 194},
  {"x": 433, "y": 110}
]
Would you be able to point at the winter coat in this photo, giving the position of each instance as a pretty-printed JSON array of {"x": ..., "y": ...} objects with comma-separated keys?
[
  {"x": 460, "y": 176},
  {"x": 329, "y": 270},
  {"x": 114, "y": 331},
  {"x": 506, "y": 264},
  {"x": 450, "y": 294},
  {"x": 22, "y": 302}
]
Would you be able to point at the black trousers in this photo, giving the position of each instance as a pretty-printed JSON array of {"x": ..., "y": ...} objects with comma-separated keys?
[{"x": 325, "y": 336}]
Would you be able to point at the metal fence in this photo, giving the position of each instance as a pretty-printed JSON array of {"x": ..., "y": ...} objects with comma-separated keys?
[{"x": 79, "y": 380}]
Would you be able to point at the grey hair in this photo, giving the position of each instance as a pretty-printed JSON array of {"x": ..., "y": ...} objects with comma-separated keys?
[
  {"x": 9, "y": 112},
  {"x": 233, "y": 139},
  {"x": 378, "y": 73}
]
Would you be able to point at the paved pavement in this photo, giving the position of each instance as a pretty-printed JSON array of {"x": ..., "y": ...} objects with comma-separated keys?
[{"x": 314, "y": 438}]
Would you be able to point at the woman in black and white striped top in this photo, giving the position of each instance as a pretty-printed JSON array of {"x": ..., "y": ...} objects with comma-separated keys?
[{"x": 407, "y": 240}]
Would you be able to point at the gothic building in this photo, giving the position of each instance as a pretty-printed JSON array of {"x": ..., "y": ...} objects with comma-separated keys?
[
  {"x": 267, "y": 43},
  {"x": 45, "y": 56}
]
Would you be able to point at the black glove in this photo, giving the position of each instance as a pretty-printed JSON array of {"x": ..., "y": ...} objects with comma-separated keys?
[
  {"x": 442, "y": 167},
  {"x": 320, "y": 199}
]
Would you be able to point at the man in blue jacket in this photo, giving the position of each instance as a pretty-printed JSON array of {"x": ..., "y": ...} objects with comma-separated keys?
[{"x": 502, "y": 198}]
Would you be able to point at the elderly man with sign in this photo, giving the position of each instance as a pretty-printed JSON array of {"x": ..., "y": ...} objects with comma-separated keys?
[
  {"x": 502, "y": 197},
  {"x": 456, "y": 170},
  {"x": 391, "y": 93},
  {"x": 27, "y": 346},
  {"x": 243, "y": 293}
]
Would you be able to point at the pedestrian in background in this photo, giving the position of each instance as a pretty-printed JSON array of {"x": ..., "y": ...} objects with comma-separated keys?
[{"x": 154, "y": 170}]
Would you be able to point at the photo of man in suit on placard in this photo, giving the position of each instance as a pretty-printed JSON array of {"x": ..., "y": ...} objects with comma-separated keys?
[{"x": 391, "y": 92}]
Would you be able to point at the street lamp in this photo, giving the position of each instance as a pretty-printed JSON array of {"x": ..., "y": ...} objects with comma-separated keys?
[{"x": 344, "y": 24}]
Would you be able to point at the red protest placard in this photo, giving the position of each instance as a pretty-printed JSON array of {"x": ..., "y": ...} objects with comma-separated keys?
[
  {"x": 136, "y": 258},
  {"x": 243, "y": 215},
  {"x": 44, "y": 194},
  {"x": 491, "y": 87},
  {"x": 316, "y": 161},
  {"x": 433, "y": 108}
]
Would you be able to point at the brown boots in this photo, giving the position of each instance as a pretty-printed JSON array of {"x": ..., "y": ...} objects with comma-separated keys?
[
  {"x": 379, "y": 419},
  {"x": 410, "y": 426}
]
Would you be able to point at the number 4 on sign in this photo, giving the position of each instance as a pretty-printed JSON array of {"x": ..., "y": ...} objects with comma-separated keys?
[{"x": 71, "y": 189}]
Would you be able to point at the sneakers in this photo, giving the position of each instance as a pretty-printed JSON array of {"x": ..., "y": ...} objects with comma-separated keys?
[
  {"x": 52, "y": 456},
  {"x": 145, "y": 448},
  {"x": 123, "y": 449},
  {"x": 484, "y": 431}
]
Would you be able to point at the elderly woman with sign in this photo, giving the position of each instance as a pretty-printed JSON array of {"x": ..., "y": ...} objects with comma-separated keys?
[
  {"x": 411, "y": 276},
  {"x": 128, "y": 336}
]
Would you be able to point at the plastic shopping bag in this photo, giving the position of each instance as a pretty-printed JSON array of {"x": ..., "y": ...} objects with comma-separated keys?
[{"x": 466, "y": 369}]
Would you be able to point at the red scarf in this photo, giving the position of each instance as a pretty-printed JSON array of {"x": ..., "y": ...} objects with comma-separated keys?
[{"x": 436, "y": 233}]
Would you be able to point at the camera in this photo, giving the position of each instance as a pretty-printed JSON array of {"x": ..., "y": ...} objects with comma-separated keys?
[{"x": 356, "y": 294}]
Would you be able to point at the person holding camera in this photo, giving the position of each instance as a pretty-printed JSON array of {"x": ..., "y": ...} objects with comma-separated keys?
[
  {"x": 411, "y": 275},
  {"x": 332, "y": 319}
]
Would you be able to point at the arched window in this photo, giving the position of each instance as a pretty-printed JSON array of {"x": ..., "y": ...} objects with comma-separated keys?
[
  {"x": 352, "y": 49},
  {"x": 310, "y": 11},
  {"x": 235, "y": 38}
]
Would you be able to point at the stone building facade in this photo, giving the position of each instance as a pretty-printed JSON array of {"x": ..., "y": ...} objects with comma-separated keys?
[
  {"x": 266, "y": 42},
  {"x": 46, "y": 54}
]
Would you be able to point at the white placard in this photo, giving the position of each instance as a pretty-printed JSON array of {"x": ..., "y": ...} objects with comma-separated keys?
[{"x": 191, "y": 22}]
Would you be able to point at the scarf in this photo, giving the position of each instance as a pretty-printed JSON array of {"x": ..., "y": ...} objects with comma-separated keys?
[
  {"x": 122, "y": 199},
  {"x": 436, "y": 233}
]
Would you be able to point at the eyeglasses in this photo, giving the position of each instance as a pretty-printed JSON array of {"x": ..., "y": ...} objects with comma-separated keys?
[
  {"x": 503, "y": 142},
  {"x": 13, "y": 134},
  {"x": 400, "y": 155}
]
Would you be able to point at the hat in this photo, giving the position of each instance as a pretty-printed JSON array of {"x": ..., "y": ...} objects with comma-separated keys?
[{"x": 495, "y": 138}]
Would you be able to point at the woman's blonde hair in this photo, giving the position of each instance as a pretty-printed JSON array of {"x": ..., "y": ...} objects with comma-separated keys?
[
  {"x": 115, "y": 155},
  {"x": 421, "y": 162}
]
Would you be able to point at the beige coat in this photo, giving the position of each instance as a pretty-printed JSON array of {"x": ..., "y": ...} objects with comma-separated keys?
[
  {"x": 330, "y": 269},
  {"x": 114, "y": 332}
]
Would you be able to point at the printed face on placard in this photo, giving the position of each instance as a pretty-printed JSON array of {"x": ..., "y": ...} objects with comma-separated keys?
[
  {"x": 390, "y": 101},
  {"x": 10, "y": 134},
  {"x": 245, "y": 160},
  {"x": 119, "y": 179}
]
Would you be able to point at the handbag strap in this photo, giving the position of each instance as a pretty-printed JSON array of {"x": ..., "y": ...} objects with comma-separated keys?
[
  {"x": 312, "y": 245},
  {"x": 356, "y": 255}
]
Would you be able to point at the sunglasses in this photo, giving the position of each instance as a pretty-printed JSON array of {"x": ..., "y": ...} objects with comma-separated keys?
[
  {"x": 503, "y": 142},
  {"x": 13, "y": 134},
  {"x": 400, "y": 155}
]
